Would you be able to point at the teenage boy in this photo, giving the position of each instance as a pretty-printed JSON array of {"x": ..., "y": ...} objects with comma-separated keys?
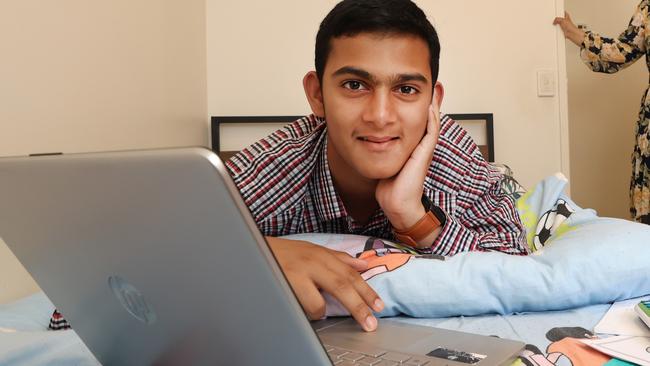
[{"x": 373, "y": 159}]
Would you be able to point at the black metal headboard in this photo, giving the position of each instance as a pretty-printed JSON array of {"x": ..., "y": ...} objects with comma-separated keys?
[{"x": 487, "y": 148}]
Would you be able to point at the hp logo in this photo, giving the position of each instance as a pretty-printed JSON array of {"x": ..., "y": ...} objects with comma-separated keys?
[{"x": 132, "y": 300}]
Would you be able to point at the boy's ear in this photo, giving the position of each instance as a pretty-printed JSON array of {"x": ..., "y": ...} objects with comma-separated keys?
[
  {"x": 314, "y": 93},
  {"x": 438, "y": 94}
]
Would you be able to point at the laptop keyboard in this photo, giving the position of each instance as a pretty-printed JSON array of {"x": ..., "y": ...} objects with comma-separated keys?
[{"x": 372, "y": 357}]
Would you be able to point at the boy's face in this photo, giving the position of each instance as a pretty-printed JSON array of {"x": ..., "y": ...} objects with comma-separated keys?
[{"x": 376, "y": 91}]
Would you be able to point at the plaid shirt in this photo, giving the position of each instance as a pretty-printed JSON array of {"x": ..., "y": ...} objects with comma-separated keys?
[{"x": 286, "y": 182}]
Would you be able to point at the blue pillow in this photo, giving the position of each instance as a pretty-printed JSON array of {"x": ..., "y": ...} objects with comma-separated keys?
[{"x": 598, "y": 261}]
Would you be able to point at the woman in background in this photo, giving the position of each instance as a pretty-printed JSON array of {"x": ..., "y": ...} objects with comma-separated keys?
[{"x": 609, "y": 55}]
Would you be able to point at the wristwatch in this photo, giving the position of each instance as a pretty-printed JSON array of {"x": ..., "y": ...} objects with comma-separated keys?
[{"x": 432, "y": 219}]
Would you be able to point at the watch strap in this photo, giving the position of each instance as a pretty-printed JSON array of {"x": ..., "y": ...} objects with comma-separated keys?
[{"x": 420, "y": 230}]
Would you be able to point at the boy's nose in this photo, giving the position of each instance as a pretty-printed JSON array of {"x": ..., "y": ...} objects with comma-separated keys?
[{"x": 380, "y": 109}]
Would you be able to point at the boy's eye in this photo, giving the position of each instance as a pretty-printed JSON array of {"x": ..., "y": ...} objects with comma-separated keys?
[
  {"x": 407, "y": 90},
  {"x": 353, "y": 85}
]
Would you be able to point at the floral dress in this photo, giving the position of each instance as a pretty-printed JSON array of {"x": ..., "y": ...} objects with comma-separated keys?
[{"x": 610, "y": 55}]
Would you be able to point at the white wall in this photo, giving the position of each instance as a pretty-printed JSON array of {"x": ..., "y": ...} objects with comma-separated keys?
[
  {"x": 89, "y": 75},
  {"x": 603, "y": 110},
  {"x": 258, "y": 52}
]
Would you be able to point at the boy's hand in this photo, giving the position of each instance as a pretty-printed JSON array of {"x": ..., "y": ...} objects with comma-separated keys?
[
  {"x": 400, "y": 196},
  {"x": 310, "y": 268}
]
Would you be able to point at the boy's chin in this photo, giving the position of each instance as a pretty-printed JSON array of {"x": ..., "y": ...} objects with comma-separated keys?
[{"x": 381, "y": 172}]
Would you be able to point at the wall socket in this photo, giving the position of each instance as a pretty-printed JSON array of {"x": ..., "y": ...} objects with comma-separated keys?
[{"x": 546, "y": 83}]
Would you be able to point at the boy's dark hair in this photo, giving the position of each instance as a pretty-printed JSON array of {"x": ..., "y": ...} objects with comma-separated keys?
[{"x": 352, "y": 17}]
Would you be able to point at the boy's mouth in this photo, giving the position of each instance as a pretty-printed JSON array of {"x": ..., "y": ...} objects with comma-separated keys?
[
  {"x": 377, "y": 139},
  {"x": 378, "y": 144}
]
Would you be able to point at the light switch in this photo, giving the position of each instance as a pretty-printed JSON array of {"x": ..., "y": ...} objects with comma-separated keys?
[{"x": 546, "y": 83}]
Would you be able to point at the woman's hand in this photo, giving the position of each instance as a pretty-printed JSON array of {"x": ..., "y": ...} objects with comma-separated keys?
[{"x": 571, "y": 31}]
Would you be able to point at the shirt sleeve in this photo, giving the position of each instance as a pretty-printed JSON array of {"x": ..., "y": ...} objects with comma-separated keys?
[
  {"x": 609, "y": 55},
  {"x": 486, "y": 218}
]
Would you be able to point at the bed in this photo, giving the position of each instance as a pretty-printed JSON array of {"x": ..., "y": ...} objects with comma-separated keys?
[
  {"x": 24, "y": 339},
  {"x": 579, "y": 264}
]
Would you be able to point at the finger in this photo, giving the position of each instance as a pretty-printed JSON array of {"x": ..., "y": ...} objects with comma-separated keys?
[
  {"x": 429, "y": 141},
  {"x": 436, "y": 120},
  {"x": 365, "y": 291},
  {"x": 430, "y": 130},
  {"x": 356, "y": 263},
  {"x": 433, "y": 124},
  {"x": 351, "y": 300},
  {"x": 368, "y": 294},
  {"x": 310, "y": 297},
  {"x": 420, "y": 158},
  {"x": 339, "y": 285}
]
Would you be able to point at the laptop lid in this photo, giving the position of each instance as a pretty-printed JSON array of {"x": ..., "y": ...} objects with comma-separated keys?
[{"x": 153, "y": 258}]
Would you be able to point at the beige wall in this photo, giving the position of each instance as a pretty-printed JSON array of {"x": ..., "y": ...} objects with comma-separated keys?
[
  {"x": 258, "y": 52},
  {"x": 89, "y": 75},
  {"x": 84, "y": 75},
  {"x": 602, "y": 112}
]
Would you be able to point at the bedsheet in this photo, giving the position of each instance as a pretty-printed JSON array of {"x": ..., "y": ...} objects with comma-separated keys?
[{"x": 551, "y": 336}]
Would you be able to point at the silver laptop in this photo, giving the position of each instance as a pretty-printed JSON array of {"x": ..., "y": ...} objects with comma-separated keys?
[{"x": 154, "y": 258}]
